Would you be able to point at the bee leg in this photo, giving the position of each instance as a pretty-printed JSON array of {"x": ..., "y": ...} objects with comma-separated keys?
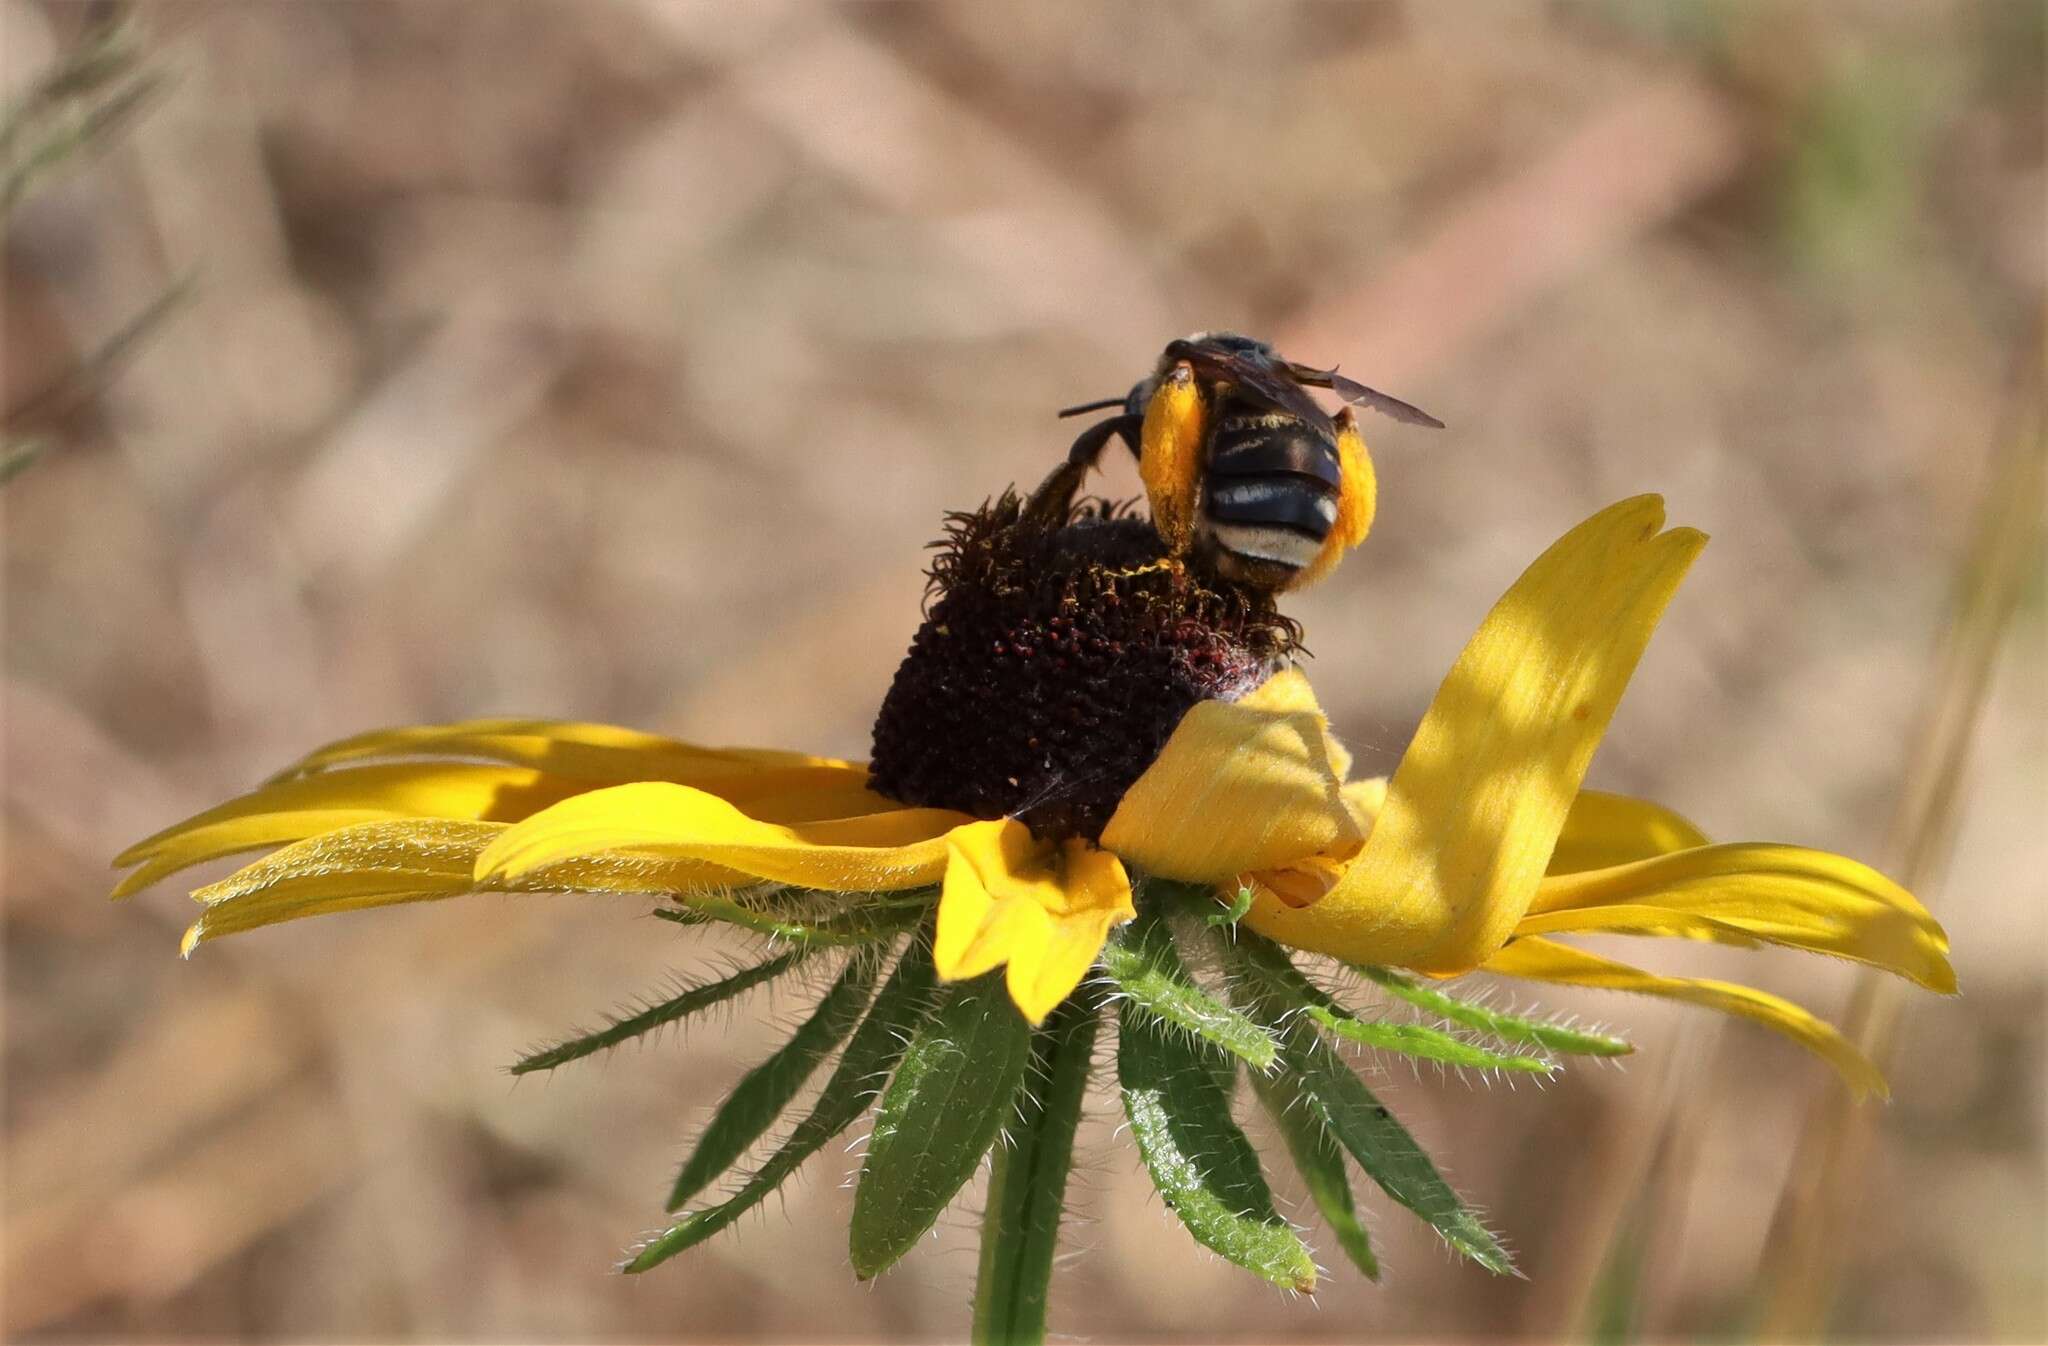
[
  {"x": 1050, "y": 504},
  {"x": 1174, "y": 431}
]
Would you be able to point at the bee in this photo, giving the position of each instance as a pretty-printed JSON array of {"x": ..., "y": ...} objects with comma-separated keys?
[{"x": 1245, "y": 472}]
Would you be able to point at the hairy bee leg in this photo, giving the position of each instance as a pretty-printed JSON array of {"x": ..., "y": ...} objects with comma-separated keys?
[
  {"x": 1170, "y": 461},
  {"x": 1050, "y": 504}
]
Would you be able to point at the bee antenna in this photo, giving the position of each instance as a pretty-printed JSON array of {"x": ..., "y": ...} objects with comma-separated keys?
[{"x": 1087, "y": 407}]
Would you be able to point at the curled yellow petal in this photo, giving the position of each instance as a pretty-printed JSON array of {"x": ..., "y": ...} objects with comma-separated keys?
[
  {"x": 1786, "y": 895},
  {"x": 1240, "y": 786},
  {"x": 368, "y": 865},
  {"x": 1475, "y": 809},
  {"x": 1044, "y": 911},
  {"x": 1546, "y": 960},
  {"x": 876, "y": 852}
]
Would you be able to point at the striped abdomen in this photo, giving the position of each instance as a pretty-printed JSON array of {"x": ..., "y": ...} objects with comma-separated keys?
[{"x": 1269, "y": 497}]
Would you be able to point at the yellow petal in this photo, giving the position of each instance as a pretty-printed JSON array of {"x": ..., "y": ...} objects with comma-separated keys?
[
  {"x": 1240, "y": 786},
  {"x": 1477, "y": 805},
  {"x": 1780, "y": 894},
  {"x": 781, "y": 796},
  {"x": 369, "y": 865},
  {"x": 1098, "y": 896},
  {"x": 1600, "y": 829},
  {"x": 998, "y": 876},
  {"x": 1010, "y": 899},
  {"x": 628, "y": 872},
  {"x": 777, "y": 786},
  {"x": 1365, "y": 798},
  {"x": 1546, "y": 960},
  {"x": 877, "y": 852},
  {"x": 1288, "y": 691},
  {"x": 599, "y": 751},
  {"x": 1609, "y": 829},
  {"x": 296, "y": 809}
]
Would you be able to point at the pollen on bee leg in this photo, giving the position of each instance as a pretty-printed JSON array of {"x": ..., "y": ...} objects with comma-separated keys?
[{"x": 1054, "y": 662}]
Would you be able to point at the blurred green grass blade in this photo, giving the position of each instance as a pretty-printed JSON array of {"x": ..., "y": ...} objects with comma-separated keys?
[
  {"x": 16, "y": 454},
  {"x": 1384, "y": 1149},
  {"x": 1320, "y": 1161},
  {"x": 1278, "y": 972},
  {"x": 1027, "y": 1188},
  {"x": 756, "y": 1101},
  {"x": 1204, "y": 1167},
  {"x": 1140, "y": 958},
  {"x": 92, "y": 91},
  {"x": 954, "y": 1088},
  {"x": 863, "y": 1069},
  {"x": 654, "y": 1016},
  {"x": 842, "y": 929},
  {"x": 25, "y": 442},
  {"x": 1507, "y": 1027}
]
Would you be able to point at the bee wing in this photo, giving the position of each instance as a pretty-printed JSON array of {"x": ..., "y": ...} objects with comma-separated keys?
[
  {"x": 1356, "y": 393},
  {"x": 1258, "y": 375}
]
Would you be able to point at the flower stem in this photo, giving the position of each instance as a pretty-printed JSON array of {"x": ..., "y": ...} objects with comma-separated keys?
[{"x": 1027, "y": 1191}]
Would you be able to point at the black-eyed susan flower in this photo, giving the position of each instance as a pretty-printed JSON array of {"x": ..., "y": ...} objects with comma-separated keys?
[{"x": 1098, "y": 777}]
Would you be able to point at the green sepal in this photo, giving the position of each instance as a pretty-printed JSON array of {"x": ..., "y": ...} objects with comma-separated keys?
[
  {"x": 1507, "y": 1027},
  {"x": 1141, "y": 959},
  {"x": 847, "y": 926},
  {"x": 1027, "y": 1185},
  {"x": 1376, "y": 1139},
  {"x": 1204, "y": 1168},
  {"x": 757, "y": 1100},
  {"x": 876, "y": 1047},
  {"x": 631, "y": 1026},
  {"x": 1277, "y": 971},
  {"x": 954, "y": 1088},
  {"x": 1320, "y": 1161}
]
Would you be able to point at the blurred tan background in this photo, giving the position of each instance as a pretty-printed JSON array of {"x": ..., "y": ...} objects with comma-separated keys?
[{"x": 615, "y": 362}]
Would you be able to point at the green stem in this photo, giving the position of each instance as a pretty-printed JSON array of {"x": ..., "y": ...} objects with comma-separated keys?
[{"x": 1027, "y": 1190}]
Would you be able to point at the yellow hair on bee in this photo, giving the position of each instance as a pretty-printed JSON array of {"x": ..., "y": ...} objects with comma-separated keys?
[
  {"x": 1170, "y": 462},
  {"x": 1357, "y": 498}
]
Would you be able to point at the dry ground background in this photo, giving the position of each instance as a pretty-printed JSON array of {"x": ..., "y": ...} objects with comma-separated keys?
[{"x": 614, "y": 361}]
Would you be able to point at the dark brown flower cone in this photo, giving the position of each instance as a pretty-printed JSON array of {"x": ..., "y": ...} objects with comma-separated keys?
[{"x": 1053, "y": 664}]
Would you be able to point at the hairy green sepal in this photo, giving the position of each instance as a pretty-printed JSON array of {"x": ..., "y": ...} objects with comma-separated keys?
[
  {"x": 1270, "y": 963},
  {"x": 848, "y": 925},
  {"x": 1320, "y": 1161},
  {"x": 1140, "y": 957},
  {"x": 876, "y": 1047},
  {"x": 1507, "y": 1027},
  {"x": 1366, "y": 1127},
  {"x": 951, "y": 1093},
  {"x": 757, "y": 1100},
  {"x": 628, "y": 1027},
  {"x": 1176, "y": 1096}
]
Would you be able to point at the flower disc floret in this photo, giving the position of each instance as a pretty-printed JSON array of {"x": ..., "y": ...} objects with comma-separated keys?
[{"x": 1055, "y": 662}]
